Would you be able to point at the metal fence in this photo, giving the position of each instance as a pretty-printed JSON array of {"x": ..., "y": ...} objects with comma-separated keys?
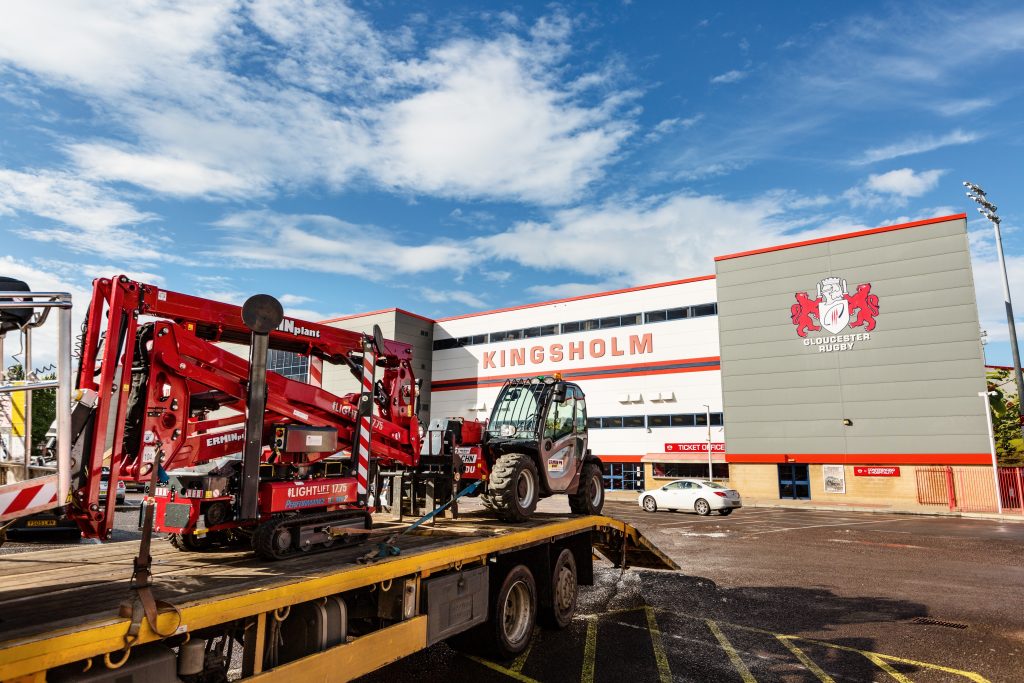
[{"x": 971, "y": 489}]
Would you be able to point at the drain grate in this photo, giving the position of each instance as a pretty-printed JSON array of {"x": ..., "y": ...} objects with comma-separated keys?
[{"x": 937, "y": 622}]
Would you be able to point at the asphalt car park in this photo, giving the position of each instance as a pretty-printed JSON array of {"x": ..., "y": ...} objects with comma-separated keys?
[{"x": 771, "y": 594}]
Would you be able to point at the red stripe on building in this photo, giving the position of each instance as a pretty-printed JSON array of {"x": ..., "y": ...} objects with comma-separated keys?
[
  {"x": 593, "y": 372},
  {"x": 843, "y": 236}
]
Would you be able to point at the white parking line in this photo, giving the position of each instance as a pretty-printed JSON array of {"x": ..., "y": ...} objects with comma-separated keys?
[{"x": 816, "y": 526}]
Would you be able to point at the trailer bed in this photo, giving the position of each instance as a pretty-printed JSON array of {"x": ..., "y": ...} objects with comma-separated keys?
[{"x": 59, "y": 606}]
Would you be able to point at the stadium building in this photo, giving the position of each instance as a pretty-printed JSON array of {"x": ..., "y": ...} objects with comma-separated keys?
[{"x": 844, "y": 370}]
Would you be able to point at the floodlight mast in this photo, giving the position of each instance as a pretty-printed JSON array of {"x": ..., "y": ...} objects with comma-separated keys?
[{"x": 988, "y": 210}]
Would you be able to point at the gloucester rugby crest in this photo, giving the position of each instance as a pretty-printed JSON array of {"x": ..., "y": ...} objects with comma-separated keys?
[{"x": 834, "y": 308}]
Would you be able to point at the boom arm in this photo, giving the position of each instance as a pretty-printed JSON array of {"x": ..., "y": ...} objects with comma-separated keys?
[{"x": 156, "y": 383}]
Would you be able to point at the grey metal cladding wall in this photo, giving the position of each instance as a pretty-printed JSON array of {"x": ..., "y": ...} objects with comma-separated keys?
[{"x": 912, "y": 387}]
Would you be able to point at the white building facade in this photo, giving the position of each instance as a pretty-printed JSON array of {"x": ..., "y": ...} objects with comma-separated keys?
[{"x": 646, "y": 358}]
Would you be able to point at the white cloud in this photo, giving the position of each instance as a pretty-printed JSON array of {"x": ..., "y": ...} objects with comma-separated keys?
[
  {"x": 916, "y": 145},
  {"x": 90, "y": 219},
  {"x": 439, "y": 296},
  {"x": 264, "y": 239},
  {"x": 634, "y": 242},
  {"x": 967, "y": 106},
  {"x": 293, "y": 299},
  {"x": 325, "y": 97},
  {"x": 491, "y": 121},
  {"x": 181, "y": 177},
  {"x": 893, "y": 188},
  {"x": 730, "y": 76},
  {"x": 989, "y": 290},
  {"x": 666, "y": 126}
]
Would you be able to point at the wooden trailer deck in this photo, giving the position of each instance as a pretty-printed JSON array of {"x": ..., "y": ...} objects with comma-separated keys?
[{"x": 60, "y": 606}]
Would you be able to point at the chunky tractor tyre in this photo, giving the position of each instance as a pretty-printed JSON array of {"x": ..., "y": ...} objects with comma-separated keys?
[
  {"x": 650, "y": 505},
  {"x": 589, "y": 498},
  {"x": 564, "y": 590},
  {"x": 514, "y": 487},
  {"x": 702, "y": 507}
]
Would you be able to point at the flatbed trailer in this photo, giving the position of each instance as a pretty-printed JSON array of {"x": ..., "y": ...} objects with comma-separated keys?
[{"x": 324, "y": 617}]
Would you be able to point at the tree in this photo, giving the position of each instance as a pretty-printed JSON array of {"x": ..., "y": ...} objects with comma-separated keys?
[
  {"x": 44, "y": 406},
  {"x": 1005, "y": 418}
]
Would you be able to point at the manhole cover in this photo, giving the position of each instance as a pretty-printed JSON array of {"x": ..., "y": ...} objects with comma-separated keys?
[{"x": 937, "y": 622}]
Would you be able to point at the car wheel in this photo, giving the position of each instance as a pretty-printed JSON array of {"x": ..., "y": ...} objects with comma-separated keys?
[
  {"x": 725, "y": 512},
  {"x": 650, "y": 505},
  {"x": 702, "y": 507}
]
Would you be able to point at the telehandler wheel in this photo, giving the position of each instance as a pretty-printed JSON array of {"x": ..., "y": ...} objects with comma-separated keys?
[
  {"x": 514, "y": 487},
  {"x": 564, "y": 590},
  {"x": 589, "y": 498}
]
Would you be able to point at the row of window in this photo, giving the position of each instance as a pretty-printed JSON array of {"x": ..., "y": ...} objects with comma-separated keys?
[
  {"x": 291, "y": 365},
  {"x": 637, "y": 421},
  {"x": 660, "y": 315},
  {"x": 679, "y": 470}
]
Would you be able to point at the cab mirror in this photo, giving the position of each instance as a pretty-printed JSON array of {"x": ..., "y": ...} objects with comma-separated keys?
[{"x": 558, "y": 394}]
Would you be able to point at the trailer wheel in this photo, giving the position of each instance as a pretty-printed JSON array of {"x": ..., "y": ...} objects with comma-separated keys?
[
  {"x": 515, "y": 613},
  {"x": 589, "y": 497},
  {"x": 514, "y": 487},
  {"x": 564, "y": 590}
]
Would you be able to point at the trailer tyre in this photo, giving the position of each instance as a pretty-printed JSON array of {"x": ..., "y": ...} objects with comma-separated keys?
[
  {"x": 589, "y": 497},
  {"x": 514, "y": 487},
  {"x": 564, "y": 591},
  {"x": 514, "y": 615}
]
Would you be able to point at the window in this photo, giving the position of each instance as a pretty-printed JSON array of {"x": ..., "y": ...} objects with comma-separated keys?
[
  {"x": 560, "y": 418},
  {"x": 655, "y": 316},
  {"x": 794, "y": 482},
  {"x": 613, "y": 321},
  {"x": 658, "y": 420},
  {"x": 581, "y": 414},
  {"x": 593, "y": 423},
  {"x": 611, "y": 422},
  {"x": 633, "y": 421},
  {"x": 685, "y": 420},
  {"x": 701, "y": 420},
  {"x": 291, "y": 365},
  {"x": 677, "y": 470},
  {"x": 623, "y": 476},
  {"x": 705, "y": 309},
  {"x": 442, "y": 344},
  {"x": 717, "y": 419}
]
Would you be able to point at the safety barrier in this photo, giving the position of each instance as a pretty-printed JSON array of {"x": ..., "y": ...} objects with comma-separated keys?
[{"x": 970, "y": 489}]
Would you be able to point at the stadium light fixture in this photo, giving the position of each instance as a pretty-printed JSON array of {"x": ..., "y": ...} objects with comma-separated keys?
[{"x": 988, "y": 210}]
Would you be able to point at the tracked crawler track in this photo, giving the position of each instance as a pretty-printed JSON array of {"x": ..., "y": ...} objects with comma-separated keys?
[{"x": 290, "y": 535}]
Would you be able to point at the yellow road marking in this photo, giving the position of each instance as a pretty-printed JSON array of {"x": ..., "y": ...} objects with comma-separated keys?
[
  {"x": 500, "y": 669},
  {"x": 520, "y": 661},
  {"x": 884, "y": 666},
  {"x": 734, "y": 656},
  {"x": 664, "y": 673},
  {"x": 804, "y": 659},
  {"x": 589, "y": 651}
]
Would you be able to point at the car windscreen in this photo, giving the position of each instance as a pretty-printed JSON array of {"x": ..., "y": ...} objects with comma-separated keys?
[{"x": 518, "y": 406}]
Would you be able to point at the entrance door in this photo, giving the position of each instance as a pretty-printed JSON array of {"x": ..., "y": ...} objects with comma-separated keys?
[{"x": 794, "y": 482}]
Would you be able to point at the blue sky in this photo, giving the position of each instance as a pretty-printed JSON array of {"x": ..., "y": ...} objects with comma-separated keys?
[{"x": 449, "y": 157}]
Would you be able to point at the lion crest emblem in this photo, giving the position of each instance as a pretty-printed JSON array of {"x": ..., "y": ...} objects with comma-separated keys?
[{"x": 834, "y": 308}]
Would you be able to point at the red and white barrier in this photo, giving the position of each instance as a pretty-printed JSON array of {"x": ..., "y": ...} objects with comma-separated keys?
[
  {"x": 28, "y": 497},
  {"x": 365, "y": 419}
]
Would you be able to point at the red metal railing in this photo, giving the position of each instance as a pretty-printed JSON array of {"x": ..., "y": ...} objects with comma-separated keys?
[{"x": 971, "y": 489}]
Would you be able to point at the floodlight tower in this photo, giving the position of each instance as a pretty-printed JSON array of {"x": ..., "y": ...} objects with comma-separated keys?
[{"x": 988, "y": 210}]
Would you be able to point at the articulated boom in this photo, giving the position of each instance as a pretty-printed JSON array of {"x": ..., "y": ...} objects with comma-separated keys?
[{"x": 152, "y": 385}]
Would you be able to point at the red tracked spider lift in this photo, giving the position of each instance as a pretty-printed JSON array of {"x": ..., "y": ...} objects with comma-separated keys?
[{"x": 150, "y": 380}]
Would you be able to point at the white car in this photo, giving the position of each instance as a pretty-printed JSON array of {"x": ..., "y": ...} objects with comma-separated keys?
[{"x": 700, "y": 495}]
